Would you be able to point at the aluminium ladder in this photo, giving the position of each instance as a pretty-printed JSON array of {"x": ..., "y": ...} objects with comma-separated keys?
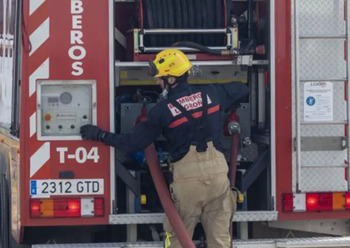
[{"x": 321, "y": 50}]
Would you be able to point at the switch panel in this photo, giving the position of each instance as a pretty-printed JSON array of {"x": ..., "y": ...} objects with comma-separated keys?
[{"x": 63, "y": 107}]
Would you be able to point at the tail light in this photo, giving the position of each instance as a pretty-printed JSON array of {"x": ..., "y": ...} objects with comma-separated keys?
[
  {"x": 319, "y": 202},
  {"x": 288, "y": 202},
  {"x": 325, "y": 202},
  {"x": 99, "y": 207},
  {"x": 70, "y": 208},
  {"x": 316, "y": 202},
  {"x": 66, "y": 208},
  {"x": 347, "y": 201},
  {"x": 35, "y": 208},
  {"x": 338, "y": 201},
  {"x": 312, "y": 202}
]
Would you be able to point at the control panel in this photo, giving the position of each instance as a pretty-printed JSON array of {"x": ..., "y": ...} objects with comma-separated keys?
[{"x": 63, "y": 107}]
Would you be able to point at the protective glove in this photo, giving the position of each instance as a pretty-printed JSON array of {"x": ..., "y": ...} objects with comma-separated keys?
[{"x": 91, "y": 132}]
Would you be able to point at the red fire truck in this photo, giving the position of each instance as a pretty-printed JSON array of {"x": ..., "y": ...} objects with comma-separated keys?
[{"x": 67, "y": 63}]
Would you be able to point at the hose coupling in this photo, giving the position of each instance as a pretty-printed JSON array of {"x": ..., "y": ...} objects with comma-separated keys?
[{"x": 234, "y": 127}]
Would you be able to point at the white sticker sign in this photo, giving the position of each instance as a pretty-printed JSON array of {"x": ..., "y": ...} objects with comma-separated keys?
[{"x": 318, "y": 101}]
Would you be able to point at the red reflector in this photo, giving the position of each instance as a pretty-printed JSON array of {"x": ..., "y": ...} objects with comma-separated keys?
[
  {"x": 326, "y": 202},
  {"x": 319, "y": 201},
  {"x": 288, "y": 203},
  {"x": 66, "y": 208},
  {"x": 98, "y": 207},
  {"x": 312, "y": 202},
  {"x": 35, "y": 208},
  {"x": 347, "y": 201}
]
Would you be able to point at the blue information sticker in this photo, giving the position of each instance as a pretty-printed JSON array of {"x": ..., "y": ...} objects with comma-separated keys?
[
  {"x": 33, "y": 189},
  {"x": 310, "y": 100}
]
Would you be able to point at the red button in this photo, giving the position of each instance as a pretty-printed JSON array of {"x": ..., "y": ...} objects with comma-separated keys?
[{"x": 47, "y": 117}]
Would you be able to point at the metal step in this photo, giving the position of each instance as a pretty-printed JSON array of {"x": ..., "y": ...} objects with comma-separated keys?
[
  {"x": 317, "y": 37},
  {"x": 322, "y": 166},
  {"x": 325, "y": 123},
  {"x": 321, "y": 242},
  {"x": 342, "y": 80},
  {"x": 154, "y": 218}
]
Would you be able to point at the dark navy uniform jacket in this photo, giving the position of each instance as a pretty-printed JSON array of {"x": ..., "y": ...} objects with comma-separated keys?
[{"x": 180, "y": 132}]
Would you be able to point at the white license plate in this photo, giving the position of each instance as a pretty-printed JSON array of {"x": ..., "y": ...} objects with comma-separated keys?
[{"x": 66, "y": 187}]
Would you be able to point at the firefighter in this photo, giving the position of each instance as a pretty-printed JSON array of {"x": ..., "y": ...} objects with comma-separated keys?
[{"x": 190, "y": 118}]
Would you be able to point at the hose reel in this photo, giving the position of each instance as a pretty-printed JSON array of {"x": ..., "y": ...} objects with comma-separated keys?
[{"x": 164, "y": 23}]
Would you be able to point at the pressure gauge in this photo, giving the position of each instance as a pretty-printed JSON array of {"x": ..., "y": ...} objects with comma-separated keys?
[{"x": 66, "y": 98}]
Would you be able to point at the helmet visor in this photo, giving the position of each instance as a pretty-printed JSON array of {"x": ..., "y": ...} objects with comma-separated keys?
[{"x": 152, "y": 69}]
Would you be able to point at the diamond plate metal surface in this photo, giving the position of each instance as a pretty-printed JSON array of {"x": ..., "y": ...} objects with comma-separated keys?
[
  {"x": 323, "y": 158},
  {"x": 315, "y": 242},
  {"x": 258, "y": 243},
  {"x": 329, "y": 242},
  {"x": 323, "y": 17},
  {"x": 121, "y": 219},
  {"x": 320, "y": 59},
  {"x": 323, "y": 179},
  {"x": 154, "y": 218},
  {"x": 322, "y": 130},
  {"x": 255, "y": 216}
]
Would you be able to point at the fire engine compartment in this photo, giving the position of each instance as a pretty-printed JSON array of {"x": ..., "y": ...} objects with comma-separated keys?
[{"x": 241, "y": 29}]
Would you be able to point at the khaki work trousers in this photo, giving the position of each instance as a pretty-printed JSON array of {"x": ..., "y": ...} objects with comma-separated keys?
[{"x": 201, "y": 192}]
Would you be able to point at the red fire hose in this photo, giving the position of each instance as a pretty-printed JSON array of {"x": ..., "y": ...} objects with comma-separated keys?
[
  {"x": 232, "y": 128},
  {"x": 165, "y": 199},
  {"x": 233, "y": 159}
]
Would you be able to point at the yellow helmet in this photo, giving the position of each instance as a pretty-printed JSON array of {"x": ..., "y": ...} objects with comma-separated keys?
[{"x": 169, "y": 62}]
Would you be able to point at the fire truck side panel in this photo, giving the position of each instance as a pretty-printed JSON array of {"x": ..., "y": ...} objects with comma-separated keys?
[
  {"x": 324, "y": 175},
  {"x": 69, "y": 45}
]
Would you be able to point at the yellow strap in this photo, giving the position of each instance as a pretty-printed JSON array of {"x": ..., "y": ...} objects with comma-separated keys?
[
  {"x": 167, "y": 242},
  {"x": 240, "y": 197}
]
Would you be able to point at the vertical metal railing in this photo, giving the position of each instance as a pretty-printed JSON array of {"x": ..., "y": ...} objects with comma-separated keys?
[
  {"x": 273, "y": 100},
  {"x": 297, "y": 97}
]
